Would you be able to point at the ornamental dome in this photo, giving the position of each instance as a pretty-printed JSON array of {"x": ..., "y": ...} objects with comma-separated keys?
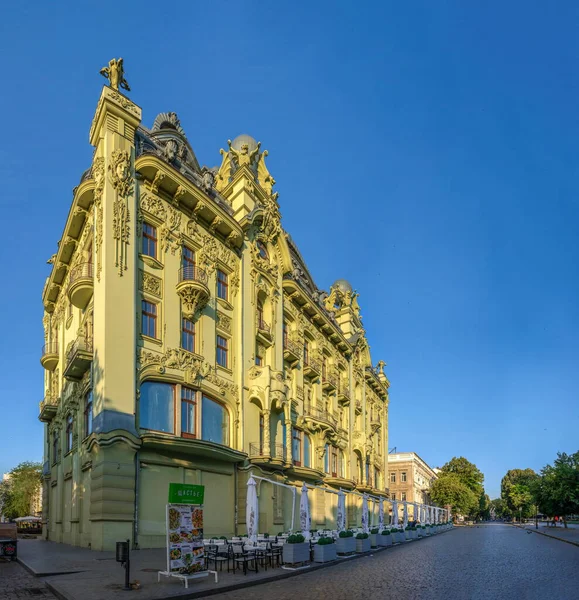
[
  {"x": 342, "y": 285},
  {"x": 244, "y": 139}
]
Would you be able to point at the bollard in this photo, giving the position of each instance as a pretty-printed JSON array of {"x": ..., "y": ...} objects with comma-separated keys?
[{"x": 122, "y": 556}]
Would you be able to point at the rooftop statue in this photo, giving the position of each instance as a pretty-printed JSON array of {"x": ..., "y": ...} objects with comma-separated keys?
[
  {"x": 115, "y": 74},
  {"x": 244, "y": 157}
]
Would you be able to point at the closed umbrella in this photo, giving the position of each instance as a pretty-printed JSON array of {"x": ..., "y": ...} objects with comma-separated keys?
[
  {"x": 341, "y": 516},
  {"x": 405, "y": 516},
  {"x": 251, "y": 510},
  {"x": 422, "y": 514},
  {"x": 365, "y": 513},
  {"x": 395, "y": 514},
  {"x": 416, "y": 515},
  {"x": 381, "y": 515},
  {"x": 305, "y": 520}
]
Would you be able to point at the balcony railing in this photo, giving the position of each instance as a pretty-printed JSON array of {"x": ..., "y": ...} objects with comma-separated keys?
[
  {"x": 193, "y": 273},
  {"x": 256, "y": 449},
  {"x": 48, "y": 407},
  {"x": 82, "y": 271},
  {"x": 263, "y": 326},
  {"x": 49, "y": 356},
  {"x": 277, "y": 451},
  {"x": 312, "y": 367},
  {"x": 291, "y": 346},
  {"x": 78, "y": 358},
  {"x": 321, "y": 415},
  {"x": 81, "y": 344}
]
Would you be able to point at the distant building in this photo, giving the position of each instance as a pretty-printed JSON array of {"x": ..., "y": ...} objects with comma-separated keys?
[{"x": 410, "y": 477}]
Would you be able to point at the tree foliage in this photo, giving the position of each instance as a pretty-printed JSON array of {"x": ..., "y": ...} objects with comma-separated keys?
[
  {"x": 449, "y": 489},
  {"x": 517, "y": 491},
  {"x": 557, "y": 490},
  {"x": 500, "y": 508},
  {"x": 17, "y": 492},
  {"x": 467, "y": 472}
]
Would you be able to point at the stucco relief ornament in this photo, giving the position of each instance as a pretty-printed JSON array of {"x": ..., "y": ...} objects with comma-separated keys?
[
  {"x": 170, "y": 237},
  {"x": 207, "y": 180},
  {"x": 244, "y": 156},
  {"x": 122, "y": 182},
  {"x": 115, "y": 73},
  {"x": 170, "y": 150},
  {"x": 98, "y": 174}
]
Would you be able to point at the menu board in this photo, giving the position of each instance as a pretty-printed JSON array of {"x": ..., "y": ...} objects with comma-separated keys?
[{"x": 185, "y": 552}]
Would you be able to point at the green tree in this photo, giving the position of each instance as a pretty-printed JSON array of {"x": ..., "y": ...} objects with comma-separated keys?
[
  {"x": 449, "y": 489},
  {"x": 557, "y": 490},
  {"x": 517, "y": 490},
  {"x": 17, "y": 493},
  {"x": 500, "y": 508},
  {"x": 467, "y": 472},
  {"x": 484, "y": 507}
]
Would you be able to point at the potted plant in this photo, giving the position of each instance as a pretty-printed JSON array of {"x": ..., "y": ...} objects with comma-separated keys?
[
  {"x": 385, "y": 538},
  {"x": 407, "y": 533},
  {"x": 325, "y": 550},
  {"x": 345, "y": 544},
  {"x": 296, "y": 549},
  {"x": 373, "y": 537},
  {"x": 362, "y": 542}
]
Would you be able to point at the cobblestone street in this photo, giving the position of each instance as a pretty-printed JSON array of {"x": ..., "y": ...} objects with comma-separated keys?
[
  {"x": 491, "y": 562},
  {"x": 16, "y": 583}
]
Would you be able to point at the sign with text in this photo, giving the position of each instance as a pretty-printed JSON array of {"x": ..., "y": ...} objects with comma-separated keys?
[
  {"x": 185, "y": 551},
  {"x": 186, "y": 493}
]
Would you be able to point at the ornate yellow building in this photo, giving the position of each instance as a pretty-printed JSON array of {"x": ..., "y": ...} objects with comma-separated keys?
[{"x": 185, "y": 341}]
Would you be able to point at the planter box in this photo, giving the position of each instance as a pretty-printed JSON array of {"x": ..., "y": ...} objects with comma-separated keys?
[
  {"x": 345, "y": 545},
  {"x": 325, "y": 553},
  {"x": 407, "y": 535},
  {"x": 363, "y": 545},
  {"x": 296, "y": 553},
  {"x": 427, "y": 530},
  {"x": 373, "y": 540},
  {"x": 414, "y": 534},
  {"x": 419, "y": 532},
  {"x": 399, "y": 537},
  {"x": 384, "y": 540}
]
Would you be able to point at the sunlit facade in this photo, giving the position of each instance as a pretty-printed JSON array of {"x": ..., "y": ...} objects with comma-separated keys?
[{"x": 186, "y": 341}]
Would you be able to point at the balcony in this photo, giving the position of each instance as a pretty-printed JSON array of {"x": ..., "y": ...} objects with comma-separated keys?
[
  {"x": 48, "y": 408},
  {"x": 312, "y": 367},
  {"x": 263, "y": 330},
  {"x": 291, "y": 350},
  {"x": 258, "y": 454},
  {"x": 329, "y": 381},
  {"x": 78, "y": 358},
  {"x": 321, "y": 415},
  {"x": 343, "y": 394},
  {"x": 49, "y": 357},
  {"x": 192, "y": 289},
  {"x": 80, "y": 285}
]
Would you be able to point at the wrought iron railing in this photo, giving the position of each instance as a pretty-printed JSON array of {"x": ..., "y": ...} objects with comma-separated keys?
[
  {"x": 81, "y": 344},
  {"x": 49, "y": 400},
  {"x": 276, "y": 451},
  {"x": 263, "y": 326},
  {"x": 292, "y": 346},
  {"x": 193, "y": 273},
  {"x": 50, "y": 348},
  {"x": 321, "y": 415},
  {"x": 81, "y": 271}
]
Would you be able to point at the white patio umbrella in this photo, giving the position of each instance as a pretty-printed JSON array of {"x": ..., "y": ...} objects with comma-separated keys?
[
  {"x": 381, "y": 514},
  {"x": 365, "y": 513},
  {"x": 416, "y": 515},
  {"x": 422, "y": 518},
  {"x": 394, "y": 514},
  {"x": 20, "y": 519},
  {"x": 341, "y": 514},
  {"x": 251, "y": 510},
  {"x": 405, "y": 515},
  {"x": 428, "y": 513},
  {"x": 305, "y": 520}
]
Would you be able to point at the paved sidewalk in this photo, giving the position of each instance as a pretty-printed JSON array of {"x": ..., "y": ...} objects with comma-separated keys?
[
  {"x": 571, "y": 534},
  {"x": 80, "y": 574},
  {"x": 17, "y": 584}
]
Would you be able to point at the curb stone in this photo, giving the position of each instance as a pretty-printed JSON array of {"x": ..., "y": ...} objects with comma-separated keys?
[
  {"x": 243, "y": 584},
  {"x": 548, "y": 535}
]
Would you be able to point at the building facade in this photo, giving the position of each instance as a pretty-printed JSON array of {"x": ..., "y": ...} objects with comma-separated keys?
[
  {"x": 186, "y": 341},
  {"x": 410, "y": 478}
]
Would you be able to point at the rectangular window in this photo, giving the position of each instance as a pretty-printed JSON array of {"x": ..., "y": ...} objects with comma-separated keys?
[
  {"x": 393, "y": 496},
  {"x": 392, "y": 477},
  {"x": 88, "y": 415},
  {"x": 222, "y": 285},
  {"x": 403, "y": 477},
  {"x": 188, "y": 414},
  {"x": 187, "y": 264},
  {"x": 149, "y": 319},
  {"x": 306, "y": 352},
  {"x": 297, "y": 447},
  {"x": 55, "y": 447},
  {"x": 376, "y": 478},
  {"x": 334, "y": 462},
  {"x": 258, "y": 361},
  {"x": 68, "y": 433},
  {"x": 157, "y": 406},
  {"x": 187, "y": 335},
  {"x": 149, "y": 240},
  {"x": 214, "y": 422},
  {"x": 222, "y": 351},
  {"x": 403, "y": 496}
]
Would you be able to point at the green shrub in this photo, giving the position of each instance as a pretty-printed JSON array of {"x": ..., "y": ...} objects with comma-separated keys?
[
  {"x": 375, "y": 530},
  {"x": 296, "y": 538},
  {"x": 266, "y": 535},
  {"x": 312, "y": 531},
  {"x": 386, "y": 532},
  {"x": 346, "y": 534},
  {"x": 325, "y": 541},
  {"x": 362, "y": 536},
  {"x": 223, "y": 538},
  {"x": 280, "y": 533}
]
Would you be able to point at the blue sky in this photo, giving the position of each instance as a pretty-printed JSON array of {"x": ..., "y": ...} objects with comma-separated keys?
[{"x": 428, "y": 152}]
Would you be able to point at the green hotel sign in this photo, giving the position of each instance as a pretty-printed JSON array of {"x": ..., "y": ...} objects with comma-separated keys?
[{"x": 185, "y": 493}]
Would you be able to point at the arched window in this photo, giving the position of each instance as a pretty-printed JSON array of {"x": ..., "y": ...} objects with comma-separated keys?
[
  {"x": 69, "y": 428},
  {"x": 327, "y": 458},
  {"x": 55, "y": 447},
  {"x": 307, "y": 451},
  {"x": 157, "y": 406},
  {"x": 214, "y": 422}
]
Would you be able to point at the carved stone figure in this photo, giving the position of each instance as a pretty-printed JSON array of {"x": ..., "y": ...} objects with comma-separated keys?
[
  {"x": 115, "y": 74},
  {"x": 208, "y": 180},
  {"x": 244, "y": 156},
  {"x": 170, "y": 150}
]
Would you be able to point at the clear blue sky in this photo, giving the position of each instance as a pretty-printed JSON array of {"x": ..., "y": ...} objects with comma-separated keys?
[{"x": 426, "y": 151}]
